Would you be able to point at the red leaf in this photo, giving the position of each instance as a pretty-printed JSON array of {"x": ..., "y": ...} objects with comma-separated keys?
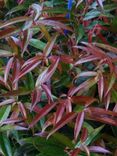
[
  {"x": 66, "y": 59},
  {"x": 78, "y": 124},
  {"x": 102, "y": 115},
  {"x": 47, "y": 74},
  {"x": 84, "y": 134},
  {"x": 49, "y": 122},
  {"x": 54, "y": 24},
  {"x": 7, "y": 69},
  {"x": 86, "y": 59},
  {"x": 26, "y": 39},
  {"x": 8, "y": 32},
  {"x": 101, "y": 111},
  {"x": 27, "y": 69},
  {"x": 50, "y": 45},
  {"x": 36, "y": 97},
  {"x": 68, "y": 106},
  {"x": 37, "y": 109},
  {"x": 23, "y": 110},
  {"x": 47, "y": 91},
  {"x": 16, "y": 71},
  {"x": 75, "y": 152},
  {"x": 3, "y": 83},
  {"x": 31, "y": 61},
  {"x": 44, "y": 111},
  {"x": 115, "y": 108},
  {"x": 97, "y": 52},
  {"x": 67, "y": 118},
  {"x": 83, "y": 86},
  {"x": 111, "y": 83},
  {"x": 15, "y": 20},
  {"x": 85, "y": 100},
  {"x": 101, "y": 86},
  {"x": 107, "y": 99},
  {"x": 59, "y": 112},
  {"x": 107, "y": 47}
]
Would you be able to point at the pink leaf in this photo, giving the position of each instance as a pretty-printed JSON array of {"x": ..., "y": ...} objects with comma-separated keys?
[
  {"x": 47, "y": 91},
  {"x": 36, "y": 97},
  {"x": 78, "y": 124},
  {"x": 31, "y": 61},
  {"x": 16, "y": 71},
  {"x": 107, "y": 99},
  {"x": 59, "y": 112},
  {"x": 98, "y": 149},
  {"x": 86, "y": 59},
  {"x": 101, "y": 86},
  {"x": 100, "y": 2},
  {"x": 7, "y": 102},
  {"x": 47, "y": 74},
  {"x": 7, "y": 69},
  {"x": 86, "y": 73}
]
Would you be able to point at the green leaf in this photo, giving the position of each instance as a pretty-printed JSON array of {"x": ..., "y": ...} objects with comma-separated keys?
[
  {"x": 92, "y": 14},
  {"x": 88, "y": 126},
  {"x": 37, "y": 44},
  {"x": 93, "y": 134},
  {"x": 63, "y": 139},
  {"x": 51, "y": 147},
  {"x": 4, "y": 112},
  {"x": 5, "y": 145},
  {"x": 81, "y": 33},
  {"x": 17, "y": 8},
  {"x": 110, "y": 7},
  {"x": 91, "y": 137},
  {"x": 53, "y": 151},
  {"x": 30, "y": 81},
  {"x": 114, "y": 96}
]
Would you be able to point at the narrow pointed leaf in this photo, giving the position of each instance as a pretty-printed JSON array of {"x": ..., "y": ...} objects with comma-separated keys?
[
  {"x": 98, "y": 149},
  {"x": 47, "y": 91},
  {"x": 36, "y": 97},
  {"x": 44, "y": 111},
  {"x": 7, "y": 69},
  {"x": 112, "y": 81},
  {"x": 101, "y": 86},
  {"x": 7, "y": 102},
  {"x": 54, "y": 24},
  {"x": 47, "y": 74},
  {"x": 86, "y": 59},
  {"x": 14, "y": 20},
  {"x": 67, "y": 118},
  {"x": 84, "y": 86},
  {"x": 78, "y": 124},
  {"x": 50, "y": 45}
]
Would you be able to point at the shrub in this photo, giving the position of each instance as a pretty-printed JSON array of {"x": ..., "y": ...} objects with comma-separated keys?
[{"x": 58, "y": 77}]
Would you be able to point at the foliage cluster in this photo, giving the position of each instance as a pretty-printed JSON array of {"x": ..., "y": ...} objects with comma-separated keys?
[{"x": 58, "y": 70}]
